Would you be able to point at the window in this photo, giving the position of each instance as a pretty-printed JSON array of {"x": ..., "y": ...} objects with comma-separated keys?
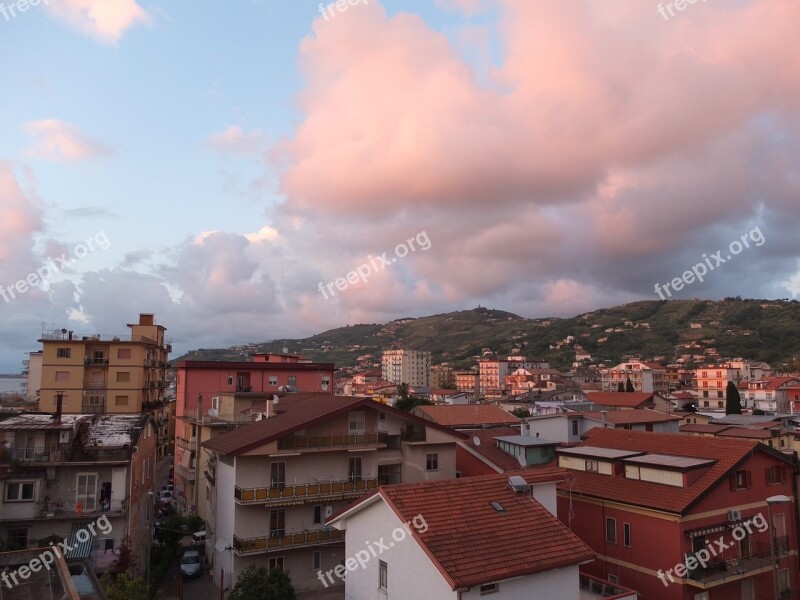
[
  {"x": 354, "y": 468},
  {"x": 120, "y": 401},
  {"x": 123, "y": 353},
  {"x": 276, "y": 562},
  {"x": 292, "y": 380},
  {"x": 575, "y": 427},
  {"x": 123, "y": 376},
  {"x": 277, "y": 475},
  {"x": 705, "y": 395},
  {"x": 19, "y": 491},
  {"x": 490, "y": 588},
  {"x": 273, "y": 380},
  {"x": 611, "y": 530},
  {"x": 17, "y": 538},
  {"x": 277, "y": 524},
  {"x": 719, "y": 395},
  {"x": 432, "y": 462},
  {"x": 592, "y": 466},
  {"x": 62, "y": 376},
  {"x": 741, "y": 480},
  {"x": 86, "y": 492},
  {"x": 356, "y": 423},
  {"x": 626, "y": 534},
  {"x": 316, "y": 560},
  {"x": 775, "y": 474},
  {"x": 383, "y": 575},
  {"x": 317, "y": 514},
  {"x": 720, "y": 405},
  {"x": 64, "y": 353},
  {"x": 230, "y": 379}
]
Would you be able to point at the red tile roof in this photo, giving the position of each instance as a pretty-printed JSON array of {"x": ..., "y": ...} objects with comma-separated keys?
[
  {"x": 298, "y": 411},
  {"x": 701, "y": 428},
  {"x": 632, "y": 416},
  {"x": 630, "y": 399},
  {"x": 473, "y": 544},
  {"x": 728, "y": 452},
  {"x": 467, "y": 415},
  {"x": 746, "y": 432}
]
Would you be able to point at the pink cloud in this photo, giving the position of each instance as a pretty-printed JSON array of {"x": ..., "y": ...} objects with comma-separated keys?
[
  {"x": 60, "y": 141},
  {"x": 106, "y": 20},
  {"x": 235, "y": 140}
]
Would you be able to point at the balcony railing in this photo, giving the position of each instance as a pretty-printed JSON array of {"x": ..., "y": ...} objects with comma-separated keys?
[
  {"x": 187, "y": 473},
  {"x": 94, "y": 385},
  {"x": 414, "y": 435},
  {"x": 315, "y": 537},
  {"x": 599, "y": 588},
  {"x": 95, "y": 361},
  {"x": 336, "y": 440},
  {"x": 189, "y": 445},
  {"x": 33, "y": 454},
  {"x": 195, "y": 415},
  {"x": 305, "y": 492},
  {"x": 722, "y": 571},
  {"x": 92, "y": 408},
  {"x": 58, "y": 509}
]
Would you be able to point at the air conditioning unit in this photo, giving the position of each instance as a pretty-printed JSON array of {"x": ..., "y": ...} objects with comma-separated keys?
[{"x": 734, "y": 515}]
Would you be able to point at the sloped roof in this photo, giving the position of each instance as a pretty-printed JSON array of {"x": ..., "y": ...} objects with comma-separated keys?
[
  {"x": 467, "y": 415},
  {"x": 298, "y": 411},
  {"x": 633, "y": 416},
  {"x": 469, "y": 541},
  {"x": 631, "y": 399},
  {"x": 728, "y": 453}
]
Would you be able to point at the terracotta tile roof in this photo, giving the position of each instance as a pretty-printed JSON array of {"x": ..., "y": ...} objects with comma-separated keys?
[
  {"x": 631, "y": 399},
  {"x": 746, "y": 432},
  {"x": 701, "y": 428},
  {"x": 298, "y": 411},
  {"x": 467, "y": 415},
  {"x": 471, "y": 543},
  {"x": 728, "y": 452},
  {"x": 634, "y": 415}
]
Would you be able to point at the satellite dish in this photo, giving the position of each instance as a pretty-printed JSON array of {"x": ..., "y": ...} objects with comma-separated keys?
[
  {"x": 285, "y": 349},
  {"x": 275, "y": 399},
  {"x": 213, "y": 412},
  {"x": 476, "y": 440},
  {"x": 63, "y": 331},
  {"x": 523, "y": 462}
]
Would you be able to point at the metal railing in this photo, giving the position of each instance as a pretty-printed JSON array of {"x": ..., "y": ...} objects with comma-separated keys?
[
  {"x": 336, "y": 440},
  {"x": 311, "y": 537},
  {"x": 32, "y": 454},
  {"x": 719, "y": 572},
  {"x": 195, "y": 415},
  {"x": 92, "y": 408},
  {"x": 184, "y": 444},
  {"x": 58, "y": 509},
  {"x": 305, "y": 492},
  {"x": 89, "y": 360}
]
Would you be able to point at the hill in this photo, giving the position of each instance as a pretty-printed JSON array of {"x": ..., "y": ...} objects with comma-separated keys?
[{"x": 765, "y": 330}]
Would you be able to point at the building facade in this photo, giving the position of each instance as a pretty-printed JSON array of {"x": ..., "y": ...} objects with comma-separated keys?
[{"x": 407, "y": 366}]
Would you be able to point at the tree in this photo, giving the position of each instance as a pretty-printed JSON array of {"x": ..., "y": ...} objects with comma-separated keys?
[
  {"x": 621, "y": 386},
  {"x": 733, "y": 402},
  {"x": 689, "y": 407},
  {"x": 124, "y": 587},
  {"x": 629, "y": 386},
  {"x": 521, "y": 412},
  {"x": 408, "y": 404},
  {"x": 256, "y": 583}
]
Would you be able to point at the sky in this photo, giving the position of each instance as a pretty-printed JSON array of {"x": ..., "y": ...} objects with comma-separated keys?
[{"x": 260, "y": 169}]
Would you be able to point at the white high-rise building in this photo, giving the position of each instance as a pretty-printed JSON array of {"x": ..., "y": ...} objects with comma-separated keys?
[{"x": 407, "y": 366}]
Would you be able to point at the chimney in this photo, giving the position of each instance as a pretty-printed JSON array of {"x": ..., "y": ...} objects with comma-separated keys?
[
  {"x": 147, "y": 319},
  {"x": 604, "y": 415},
  {"x": 59, "y": 407}
]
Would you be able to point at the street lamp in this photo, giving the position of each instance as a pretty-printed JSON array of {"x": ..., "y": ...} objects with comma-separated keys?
[{"x": 780, "y": 499}]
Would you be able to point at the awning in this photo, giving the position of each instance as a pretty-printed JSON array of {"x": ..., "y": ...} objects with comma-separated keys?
[
  {"x": 75, "y": 541},
  {"x": 693, "y": 533}
]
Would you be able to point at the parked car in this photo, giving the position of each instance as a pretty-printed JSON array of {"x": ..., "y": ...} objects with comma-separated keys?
[
  {"x": 165, "y": 497},
  {"x": 190, "y": 564}
]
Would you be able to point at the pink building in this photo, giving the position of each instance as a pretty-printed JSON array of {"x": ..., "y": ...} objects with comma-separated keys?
[{"x": 264, "y": 373}]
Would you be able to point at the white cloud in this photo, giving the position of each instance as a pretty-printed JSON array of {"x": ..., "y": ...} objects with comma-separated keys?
[{"x": 105, "y": 20}]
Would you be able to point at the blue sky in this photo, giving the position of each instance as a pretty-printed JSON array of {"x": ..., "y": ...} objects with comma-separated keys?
[{"x": 238, "y": 155}]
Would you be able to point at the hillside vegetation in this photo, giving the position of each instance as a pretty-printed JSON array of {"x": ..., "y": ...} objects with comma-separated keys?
[{"x": 766, "y": 330}]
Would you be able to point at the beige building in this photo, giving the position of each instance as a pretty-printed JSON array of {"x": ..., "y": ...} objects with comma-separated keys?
[
  {"x": 407, "y": 366},
  {"x": 273, "y": 483},
  {"x": 645, "y": 376},
  {"x": 108, "y": 375}
]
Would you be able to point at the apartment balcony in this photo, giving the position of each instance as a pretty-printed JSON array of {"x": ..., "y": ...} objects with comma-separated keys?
[
  {"x": 183, "y": 444},
  {"x": 93, "y": 407},
  {"x": 62, "y": 510},
  {"x": 294, "y": 443},
  {"x": 96, "y": 362},
  {"x": 725, "y": 571},
  {"x": 300, "y": 539},
  {"x": 304, "y": 492},
  {"x": 594, "y": 587},
  {"x": 33, "y": 454},
  {"x": 186, "y": 473},
  {"x": 94, "y": 385},
  {"x": 195, "y": 416}
]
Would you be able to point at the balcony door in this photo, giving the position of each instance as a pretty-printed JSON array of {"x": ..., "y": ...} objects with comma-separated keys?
[
  {"x": 86, "y": 492},
  {"x": 781, "y": 541},
  {"x": 277, "y": 475},
  {"x": 354, "y": 468},
  {"x": 277, "y": 523}
]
